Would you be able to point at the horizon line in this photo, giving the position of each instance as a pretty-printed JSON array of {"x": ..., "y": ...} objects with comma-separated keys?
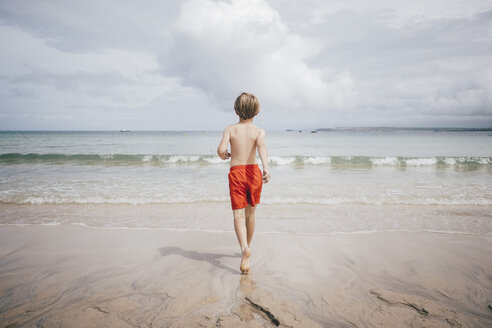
[{"x": 321, "y": 129}]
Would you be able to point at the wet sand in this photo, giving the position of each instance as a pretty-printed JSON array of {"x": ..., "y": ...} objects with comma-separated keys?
[{"x": 67, "y": 276}]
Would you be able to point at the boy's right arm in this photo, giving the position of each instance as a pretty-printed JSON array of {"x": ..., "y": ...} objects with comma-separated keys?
[
  {"x": 222, "y": 149},
  {"x": 263, "y": 152}
]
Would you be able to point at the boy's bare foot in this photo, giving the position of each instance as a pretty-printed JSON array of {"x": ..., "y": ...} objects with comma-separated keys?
[{"x": 244, "y": 267}]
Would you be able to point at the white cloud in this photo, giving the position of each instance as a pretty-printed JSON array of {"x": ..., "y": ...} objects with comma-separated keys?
[
  {"x": 107, "y": 78},
  {"x": 244, "y": 45}
]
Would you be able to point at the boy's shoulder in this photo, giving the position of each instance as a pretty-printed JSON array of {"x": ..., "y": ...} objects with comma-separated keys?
[{"x": 250, "y": 127}]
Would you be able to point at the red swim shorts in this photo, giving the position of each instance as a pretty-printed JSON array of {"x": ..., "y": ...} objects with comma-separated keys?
[{"x": 245, "y": 182}]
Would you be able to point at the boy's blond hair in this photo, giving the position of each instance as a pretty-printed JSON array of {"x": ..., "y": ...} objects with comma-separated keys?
[{"x": 247, "y": 105}]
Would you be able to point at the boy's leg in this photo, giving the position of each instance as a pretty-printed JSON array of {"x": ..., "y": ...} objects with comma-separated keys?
[
  {"x": 250, "y": 223},
  {"x": 240, "y": 227}
]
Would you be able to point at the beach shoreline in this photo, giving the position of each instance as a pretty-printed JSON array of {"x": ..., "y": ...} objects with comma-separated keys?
[
  {"x": 273, "y": 218},
  {"x": 77, "y": 277}
]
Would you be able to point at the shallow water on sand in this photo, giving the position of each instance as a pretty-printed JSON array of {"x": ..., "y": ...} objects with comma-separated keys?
[{"x": 300, "y": 219}]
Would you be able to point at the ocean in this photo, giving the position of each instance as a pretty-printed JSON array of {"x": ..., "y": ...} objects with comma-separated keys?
[{"x": 325, "y": 182}]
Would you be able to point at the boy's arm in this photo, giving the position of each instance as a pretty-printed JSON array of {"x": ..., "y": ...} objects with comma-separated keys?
[
  {"x": 263, "y": 152},
  {"x": 222, "y": 149}
]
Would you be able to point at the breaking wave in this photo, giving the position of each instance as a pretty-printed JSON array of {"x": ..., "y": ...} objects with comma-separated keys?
[
  {"x": 136, "y": 200},
  {"x": 206, "y": 159}
]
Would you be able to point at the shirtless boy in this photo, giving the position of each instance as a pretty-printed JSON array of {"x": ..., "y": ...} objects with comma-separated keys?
[{"x": 245, "y": 177}]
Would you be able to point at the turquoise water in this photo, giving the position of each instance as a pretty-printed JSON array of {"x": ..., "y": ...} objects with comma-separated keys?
[
  {"x": 376, "y": 144},
  {"x": 375, "y": 168}
]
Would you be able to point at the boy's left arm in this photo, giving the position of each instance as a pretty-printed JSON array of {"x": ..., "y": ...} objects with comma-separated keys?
[
  {"x": 222, "y": 149},
  {"x": 263, "y": 152}
]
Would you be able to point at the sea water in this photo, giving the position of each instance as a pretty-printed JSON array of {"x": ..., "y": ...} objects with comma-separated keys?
[{"x": 174, "y": 172}]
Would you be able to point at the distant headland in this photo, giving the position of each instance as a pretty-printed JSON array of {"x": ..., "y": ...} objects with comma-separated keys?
[{"x": 395, "y": 129}]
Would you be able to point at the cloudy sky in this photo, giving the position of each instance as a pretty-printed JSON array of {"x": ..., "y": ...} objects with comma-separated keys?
[{"x": 179, "y": 65}]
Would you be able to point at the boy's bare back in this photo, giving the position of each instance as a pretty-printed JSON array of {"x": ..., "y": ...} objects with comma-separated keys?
[{"x": 243, "y": 138}]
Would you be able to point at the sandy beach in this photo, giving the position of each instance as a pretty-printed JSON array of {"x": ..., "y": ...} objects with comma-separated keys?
[{"x": 67, "y": 276}]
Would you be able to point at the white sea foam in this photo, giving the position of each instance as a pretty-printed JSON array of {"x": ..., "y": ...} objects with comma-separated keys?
[
  {"x": 147, "y": 158},
  {"x": 316, "y": 160},
  {"x": 177, "y": 159},
  {"x": 215, "y": 160},
  {"x": 390, "y": 195},
  {"x": 281, "y": 160},
  {"x": 484, "y": 161},
  {"x": 450, "y": 161},
  {"x": 384, "y": 161},
  {"x": 53, "y": 200},
  {"x": 106, "y": 156},
  {"x": 421, "y": 161},
  {"x": 87, "y": 226},
  {"x": 183, "y": 158},
  {"x": 468, "y": 160},
  {"x": 299, "y": 231}
]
